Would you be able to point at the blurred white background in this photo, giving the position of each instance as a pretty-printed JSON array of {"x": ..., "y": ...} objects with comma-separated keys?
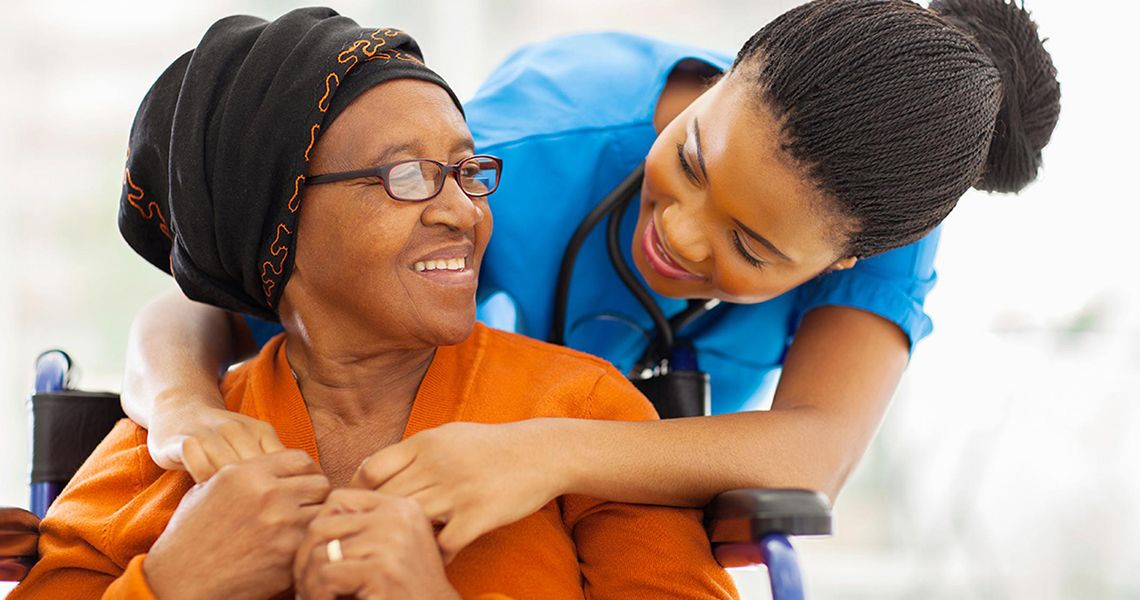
[{"x": 1008, "y": 466}]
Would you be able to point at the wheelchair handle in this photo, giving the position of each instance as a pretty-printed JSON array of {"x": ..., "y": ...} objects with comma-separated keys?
[{"x": 53, "y": 372}]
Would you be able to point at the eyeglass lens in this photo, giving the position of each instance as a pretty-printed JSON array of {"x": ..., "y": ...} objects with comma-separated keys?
[{"x": 420, "y": 180}]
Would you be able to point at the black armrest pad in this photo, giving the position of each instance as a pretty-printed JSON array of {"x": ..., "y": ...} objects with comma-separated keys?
[
  {"x": 743, "y": 516},
  {"x": 19, "y": 541}
]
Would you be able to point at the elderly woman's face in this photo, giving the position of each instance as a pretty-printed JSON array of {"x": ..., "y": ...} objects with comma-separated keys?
[{"x": 358, "y": 248}]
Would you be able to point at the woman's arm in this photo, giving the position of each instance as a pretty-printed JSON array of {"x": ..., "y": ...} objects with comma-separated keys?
[
  {"x": 176, "y": 351},
  {"x": 839, "y": 376}
]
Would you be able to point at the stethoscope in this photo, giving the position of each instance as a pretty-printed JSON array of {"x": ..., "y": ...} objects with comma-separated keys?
[{"x": 668, "y": 371}]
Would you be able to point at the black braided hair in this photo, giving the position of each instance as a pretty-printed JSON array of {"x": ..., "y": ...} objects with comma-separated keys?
[{"x": 893, "y": 111}]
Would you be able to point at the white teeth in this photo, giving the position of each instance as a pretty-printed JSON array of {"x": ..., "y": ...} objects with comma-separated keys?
[{"x": 448, "y": 264}]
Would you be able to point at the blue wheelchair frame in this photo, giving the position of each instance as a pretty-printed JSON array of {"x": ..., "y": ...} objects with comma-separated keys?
[
  {"x": 759, "y": 520},
  {"x": 783, "y": 567},
  {"x": 53, "y": 374}
]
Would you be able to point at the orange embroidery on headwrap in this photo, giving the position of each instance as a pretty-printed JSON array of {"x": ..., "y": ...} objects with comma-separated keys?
[
  {"x": 136, "y": 194},
  {"x": 408, "y": 57},
  {"x": 322, "y": 105},
  {"x": 269, "y": 271},
  {"x": 312, "y": 139},
  {"x": 267, "y": 281},
  {"x": 371, "y": 49},
  {"x": 341, "y": 58},
  {"x": 349, "y": 53},
  {"x": 295, "y": 201},
  {"x": 277, "y": 247}
]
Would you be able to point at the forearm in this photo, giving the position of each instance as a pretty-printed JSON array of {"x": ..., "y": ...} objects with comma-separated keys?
[
  {"x": 175, "y": 352},
  {"x": 838, "y": 379},
  {"x": 686, "y": 462}
]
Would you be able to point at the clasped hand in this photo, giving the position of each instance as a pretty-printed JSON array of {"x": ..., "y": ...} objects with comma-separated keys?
[
  {"x": 473, "y": 477},
  {"x": 262, "y": 525}
]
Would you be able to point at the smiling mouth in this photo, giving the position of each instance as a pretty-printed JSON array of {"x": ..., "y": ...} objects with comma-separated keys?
[
  {"x": 443, "y": 264},
  {"x": 450, "y": 271},
  {"x": 659, "y": 258}
]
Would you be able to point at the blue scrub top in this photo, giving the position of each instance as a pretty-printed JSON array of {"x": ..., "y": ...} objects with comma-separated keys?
[{"x": 571, "y": 117}]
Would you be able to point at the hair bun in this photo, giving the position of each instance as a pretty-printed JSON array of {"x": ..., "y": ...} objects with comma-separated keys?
[{"x": 1031, "y": 94}]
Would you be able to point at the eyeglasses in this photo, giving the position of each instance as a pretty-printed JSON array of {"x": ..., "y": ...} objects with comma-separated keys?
[{"x": 419, "y": 179}]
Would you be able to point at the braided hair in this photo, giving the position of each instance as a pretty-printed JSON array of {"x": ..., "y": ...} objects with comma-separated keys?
[{"x": 893, "y": 111}]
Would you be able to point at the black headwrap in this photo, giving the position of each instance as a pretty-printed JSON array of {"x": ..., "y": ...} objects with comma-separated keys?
[{"x": 219, "y": 147}]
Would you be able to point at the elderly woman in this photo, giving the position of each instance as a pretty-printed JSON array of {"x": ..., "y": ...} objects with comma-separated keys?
[{"x": 316, "y": 155}]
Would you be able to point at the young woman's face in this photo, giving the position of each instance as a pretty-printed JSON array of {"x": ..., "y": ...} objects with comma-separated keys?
[{"x": 724, "y": 214}]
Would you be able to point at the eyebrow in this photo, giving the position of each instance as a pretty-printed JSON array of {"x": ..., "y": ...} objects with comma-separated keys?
[
  {"x": 388, "y": 152},
  {"x": 762, "y": 240},
  {"x": 413, "y": 148},
  {"x": 700, "y": 151}
]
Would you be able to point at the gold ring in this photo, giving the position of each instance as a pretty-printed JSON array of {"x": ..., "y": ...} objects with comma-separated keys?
[{"x": 334, "y": 551}]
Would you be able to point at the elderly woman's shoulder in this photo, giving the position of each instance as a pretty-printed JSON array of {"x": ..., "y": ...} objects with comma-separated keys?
[
  {"x": 555, "y": 380},
  {"x": 520, "y": 349},
  {"x": 122, "y": 455},
  {"x": 117, "y": 498}
]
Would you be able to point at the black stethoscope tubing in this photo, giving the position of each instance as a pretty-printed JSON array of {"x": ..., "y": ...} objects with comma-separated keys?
[{"x": 613, "y": 206}]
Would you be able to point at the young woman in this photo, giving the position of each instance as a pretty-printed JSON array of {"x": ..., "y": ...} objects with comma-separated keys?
[{"x": 801, "y": 183}]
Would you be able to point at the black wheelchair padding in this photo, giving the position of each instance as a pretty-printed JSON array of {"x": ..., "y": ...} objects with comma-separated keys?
[
  {"x": 66, "y": 428},
  {"x": 743, "y": 516}
]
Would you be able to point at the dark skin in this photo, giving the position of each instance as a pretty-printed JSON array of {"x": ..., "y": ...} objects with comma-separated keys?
[
  {"x": 236, "y": 535},
  {"x": 746, "y": 183},
  {"x": 715, "y": 178},
  {"x": 838, "y": 377},
  {"x": 352, "y": 292},
  {"x": 383, "y": 539},
  {"x": 362, "y": 326}
]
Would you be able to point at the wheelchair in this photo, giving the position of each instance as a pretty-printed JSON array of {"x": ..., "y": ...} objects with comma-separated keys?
[{"x": 749, "y": 526}]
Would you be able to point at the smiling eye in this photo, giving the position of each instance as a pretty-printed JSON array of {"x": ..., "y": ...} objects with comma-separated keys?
[
  {"x": 736, "y": 241},
  {"x": 685, "y": 166}
]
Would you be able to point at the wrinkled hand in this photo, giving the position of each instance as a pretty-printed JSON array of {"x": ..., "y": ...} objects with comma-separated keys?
[
  {"x": 474, "y": 478},
  {"x": 236, "y": 535},
  {"x": 203, "y": 440},
  {"x": 387, "y": 549}
]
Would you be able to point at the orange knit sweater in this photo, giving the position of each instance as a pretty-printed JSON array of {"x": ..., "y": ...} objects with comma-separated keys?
[{"x": 96, "y": 535}]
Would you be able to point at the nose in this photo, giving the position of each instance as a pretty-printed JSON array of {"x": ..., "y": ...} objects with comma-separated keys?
[
  {"x": 453, "y": 209},
  {"x": 682, "y": 233}
]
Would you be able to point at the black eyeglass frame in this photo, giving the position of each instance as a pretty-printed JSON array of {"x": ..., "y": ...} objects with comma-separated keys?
[{"x": 381, "y": 172}]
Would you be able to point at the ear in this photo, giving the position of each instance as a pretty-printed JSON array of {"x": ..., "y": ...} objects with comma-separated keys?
[{"x": 843, "y": 264}]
